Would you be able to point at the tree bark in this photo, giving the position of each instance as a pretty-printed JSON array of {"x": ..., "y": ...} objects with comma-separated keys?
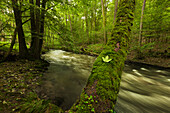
[
  {"x": 36, "y": 44},
  {"x": 102, "y": 88},
  {"x": 71, "y": 29},
  {"x": 104, "y": 20},
  {"x": 87, "y": 25},
  {"x": 37, "y": 28},
  {"x": 12, "y": 44},
  {"x": 33, "y": 26},
  {"x": 115, "y": 11},
  {"x": 141, "y": 24},
  {"x": 95, "y": 25},
  {"x": 23, "y": 52},
  {"x": 42, "y": 24}
]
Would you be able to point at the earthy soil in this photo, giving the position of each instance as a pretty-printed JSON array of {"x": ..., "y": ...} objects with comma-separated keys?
[{"x": 17, "y": 80}]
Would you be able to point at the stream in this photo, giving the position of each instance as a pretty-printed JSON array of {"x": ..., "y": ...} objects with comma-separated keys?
[{"x": 143, "y": 89}]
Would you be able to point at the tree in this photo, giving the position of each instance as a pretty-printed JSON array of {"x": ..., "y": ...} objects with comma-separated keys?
[
  {"x": 37, "y": 27},
  {"x": 115, "y": 10},
  {"x": 23, "y": 52},
  {"x": 102, "y": 88},
  {"x": 12, "y": 44},
  {"x": 141, "y": 23},
  {"x": 104, "y": 19}
]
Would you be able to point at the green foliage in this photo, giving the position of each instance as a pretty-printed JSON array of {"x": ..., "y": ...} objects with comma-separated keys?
[
  {"x": 33, "y": 104},
  {"x": 147, "y": 46},
  {"x": 144, "y": 47},
  {"x": 155, "y": 21},
  {"x": 141, "y": 51},
  {"x": 87, "y": 103},
  {"x": 97, "y": 48}
]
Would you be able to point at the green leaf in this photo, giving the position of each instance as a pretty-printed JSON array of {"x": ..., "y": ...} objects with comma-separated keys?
[
  {"x": 92, "y": 110},
  {"x": 106, "y": 59}
]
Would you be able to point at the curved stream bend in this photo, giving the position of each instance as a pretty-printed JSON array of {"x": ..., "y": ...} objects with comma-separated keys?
[{"x": 143, "y": 89}]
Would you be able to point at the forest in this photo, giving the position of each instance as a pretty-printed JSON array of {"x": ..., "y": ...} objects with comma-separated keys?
[{"x": 112, "y": 31}]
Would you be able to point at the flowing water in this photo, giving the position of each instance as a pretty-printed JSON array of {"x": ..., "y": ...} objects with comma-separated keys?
[{"x": 143, "y": 89}]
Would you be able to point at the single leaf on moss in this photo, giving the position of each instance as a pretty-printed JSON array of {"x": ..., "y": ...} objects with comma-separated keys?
[{"x": 106, "y": 59}]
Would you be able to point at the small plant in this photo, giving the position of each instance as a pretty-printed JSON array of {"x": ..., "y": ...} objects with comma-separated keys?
[
  {"x": 112, "y": 111},
  {"x": 106, "y": 59},
  {"x": 140, "y": 50},
  {"x": 33, "y": 104},
  {"x": 87, "y": 103}
]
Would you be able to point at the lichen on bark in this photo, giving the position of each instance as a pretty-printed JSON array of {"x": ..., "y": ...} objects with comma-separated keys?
[{"x": 101, "y": 91}]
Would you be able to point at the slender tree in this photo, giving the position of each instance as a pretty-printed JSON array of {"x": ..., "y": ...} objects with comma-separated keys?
[
  {"x": 87, "y": 24},
  {"x": 141, "y": 24},
  {"x": 104, "y": 20},
  {"x": 12, "y": 44},
  {"x": 33, "y": 26},
  {"x": 42, "y": 23},
  {"x": 115, "y": 10}
]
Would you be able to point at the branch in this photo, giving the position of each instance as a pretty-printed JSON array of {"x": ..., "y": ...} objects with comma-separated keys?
[
  {"x": 24, "y": 10},
  {"x": 4, "y": 44},
  {"x": 25, "y": 16},
  {"x": 26, "y": 21},
  {"x": 5, "y": 35},
  {"x": 3, "y": 28},
  {"x": 50, "y": 7}
]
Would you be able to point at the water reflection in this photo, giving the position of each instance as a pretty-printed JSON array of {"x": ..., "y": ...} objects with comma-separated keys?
[{"x": 143, "y": 88}]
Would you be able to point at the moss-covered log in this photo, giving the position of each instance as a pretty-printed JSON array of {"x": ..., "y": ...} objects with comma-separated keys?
[{"x": 102, "y": 88}]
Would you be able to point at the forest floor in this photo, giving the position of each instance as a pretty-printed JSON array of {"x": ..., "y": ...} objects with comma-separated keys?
[{"x": 18, "y": 81}]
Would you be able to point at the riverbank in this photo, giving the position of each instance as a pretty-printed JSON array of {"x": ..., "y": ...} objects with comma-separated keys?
[{"x": 159, "y": 60}]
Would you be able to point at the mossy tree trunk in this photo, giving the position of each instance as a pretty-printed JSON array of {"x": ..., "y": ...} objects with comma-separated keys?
[{"x": 101, "y": 91}]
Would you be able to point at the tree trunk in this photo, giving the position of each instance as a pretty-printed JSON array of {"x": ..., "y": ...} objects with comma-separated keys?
[
  {"x": 36, "y": 44},
  {"x": 37, "y": 28},
  {"x": 141, "y": 24},
  {"x": 23, "y": 52},
  {"x": 102, "y": 88},
  {"x": 12, "y": 44},
  {"x": 42, "y": 24},
  {"x": 66, "y": 19},
  {"x": 33, "y": 26},
  {"x": 71, "y": 29},
  {"x": 115, "y": 11},
  {"x": 70, "y": 20},
  {"x": 87, "y": 24},
  {"x": 95, "y": 25},
  {"x": 104, "y": 20}
]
